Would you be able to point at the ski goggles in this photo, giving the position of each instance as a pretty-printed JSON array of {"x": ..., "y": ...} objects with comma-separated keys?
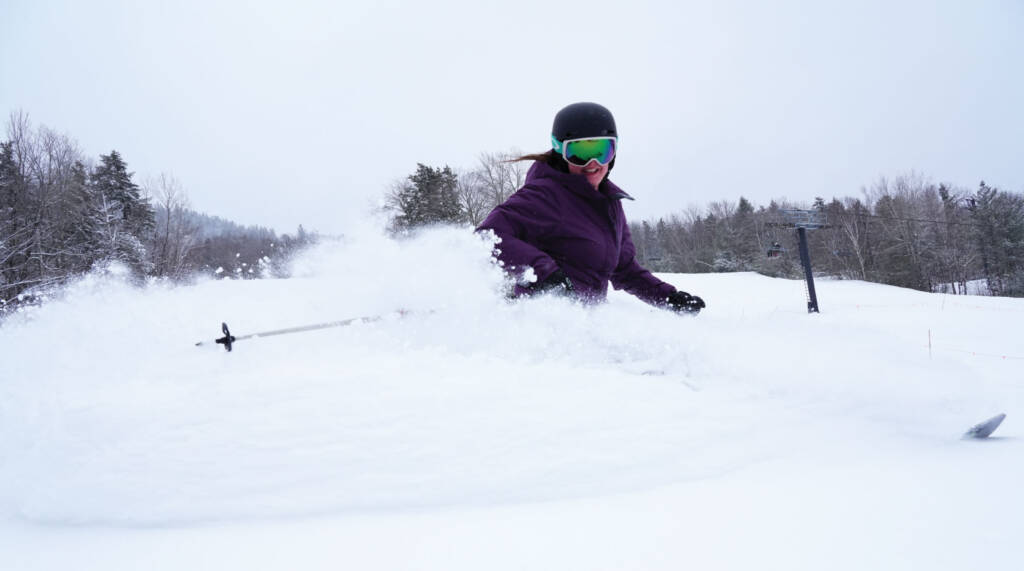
[{"x": 582, "y": 151}]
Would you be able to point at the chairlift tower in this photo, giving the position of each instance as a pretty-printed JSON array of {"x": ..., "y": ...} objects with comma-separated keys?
[{"x": 802, "y": 221}]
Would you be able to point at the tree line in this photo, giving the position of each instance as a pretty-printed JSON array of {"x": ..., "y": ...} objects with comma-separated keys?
[
  {"x": 63, "y": 214},
  {"x": 906, "y": 232}
]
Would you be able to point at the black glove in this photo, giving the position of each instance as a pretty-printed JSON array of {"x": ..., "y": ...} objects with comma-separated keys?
[
  {"x": 683, "y": 302},
  {"x": 557, "y": 283}
]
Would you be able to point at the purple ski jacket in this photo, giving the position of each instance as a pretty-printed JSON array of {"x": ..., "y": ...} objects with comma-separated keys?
[{"x": 557, "y": 220}]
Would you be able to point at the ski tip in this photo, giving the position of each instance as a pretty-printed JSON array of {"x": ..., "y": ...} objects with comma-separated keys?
[{"x": 984, "y": 429}]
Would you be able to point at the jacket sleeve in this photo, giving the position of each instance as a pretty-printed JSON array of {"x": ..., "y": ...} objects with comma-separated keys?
[
  {"x": 630, "y": 276},
  {"x": 522, "y": 222}
]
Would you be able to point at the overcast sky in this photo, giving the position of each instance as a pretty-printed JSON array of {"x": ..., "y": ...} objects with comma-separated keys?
[{"x": 280, "y": 113}]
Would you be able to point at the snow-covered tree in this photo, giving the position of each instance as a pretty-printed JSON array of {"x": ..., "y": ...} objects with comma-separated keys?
[
  {"x": 125, "y": 216},
  {"x": 429, "y": 196}
]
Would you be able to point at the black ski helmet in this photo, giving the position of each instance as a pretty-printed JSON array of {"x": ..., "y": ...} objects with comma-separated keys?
[{"x": 581, "y": 120}]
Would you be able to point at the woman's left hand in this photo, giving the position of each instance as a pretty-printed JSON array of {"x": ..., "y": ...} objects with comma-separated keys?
[{"x": 683, "y": 302}]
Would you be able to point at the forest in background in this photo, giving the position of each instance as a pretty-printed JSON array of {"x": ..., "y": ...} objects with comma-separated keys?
[
  {"x": 63, "y": 214},
  {"x": 905, "y": 232}
]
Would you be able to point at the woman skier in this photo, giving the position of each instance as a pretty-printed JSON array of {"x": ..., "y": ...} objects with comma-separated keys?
[{"x": 565, "y": 230}]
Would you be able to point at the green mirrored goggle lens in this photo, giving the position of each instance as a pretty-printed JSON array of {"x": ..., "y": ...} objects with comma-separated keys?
[{"x": 582, "y": 151}]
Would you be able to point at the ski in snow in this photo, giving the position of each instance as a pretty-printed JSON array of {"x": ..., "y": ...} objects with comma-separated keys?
[{"x": 986, "y": 428}]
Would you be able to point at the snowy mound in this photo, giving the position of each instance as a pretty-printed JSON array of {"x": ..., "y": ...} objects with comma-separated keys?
[{"x": 110, "y": 414}]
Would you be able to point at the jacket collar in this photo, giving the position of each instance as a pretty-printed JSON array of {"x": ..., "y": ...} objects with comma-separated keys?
[{"x": 575, "y": 183}]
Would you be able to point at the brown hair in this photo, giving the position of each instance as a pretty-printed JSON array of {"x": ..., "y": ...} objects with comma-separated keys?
[
  {"x": 549, "y": 157},
  {"x": 532, "y": 157}
]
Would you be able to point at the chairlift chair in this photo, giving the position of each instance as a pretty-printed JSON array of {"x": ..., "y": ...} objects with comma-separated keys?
[{"x": 775, "y": 251}]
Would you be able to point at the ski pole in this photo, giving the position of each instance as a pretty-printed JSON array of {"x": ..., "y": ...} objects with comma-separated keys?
[{"x": 228, "y": 340}]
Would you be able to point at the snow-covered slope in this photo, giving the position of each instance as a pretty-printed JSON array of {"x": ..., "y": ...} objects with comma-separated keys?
[{"x": 474, "y": 433}]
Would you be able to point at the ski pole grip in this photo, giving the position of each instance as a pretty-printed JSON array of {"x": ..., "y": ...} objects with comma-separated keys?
[{"x": 227, "y": 339}]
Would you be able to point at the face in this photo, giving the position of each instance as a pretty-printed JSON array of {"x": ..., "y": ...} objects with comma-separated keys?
[{"x": 593, "y": 170}]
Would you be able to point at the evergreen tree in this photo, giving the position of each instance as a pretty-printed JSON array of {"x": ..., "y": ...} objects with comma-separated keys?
[
  {"x": 999, "y": 235},
  {"x": 125, "y": 217},
  {"x": 111, "y": 177},
  {"x": 76, "y": 227},
  {"x": 747, "y": 244},
  {"x": 668, "y": 251},
  {"x": 430, "y": 196}
]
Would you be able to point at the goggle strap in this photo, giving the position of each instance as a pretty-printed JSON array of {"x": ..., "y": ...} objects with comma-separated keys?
[{"x": 557, "y": 145}]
